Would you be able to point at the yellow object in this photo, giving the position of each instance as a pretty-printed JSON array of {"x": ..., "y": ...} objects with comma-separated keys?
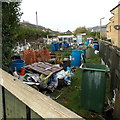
[
  {"x": 45, "y": 79},
  {"x": 58, "y": 59},
  {"x": 42, "y": 76}
]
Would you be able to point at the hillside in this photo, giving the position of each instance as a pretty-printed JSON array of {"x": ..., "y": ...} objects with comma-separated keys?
[
  {"x": 97, "y": 28},
  {"x": 33, "y": 26}
]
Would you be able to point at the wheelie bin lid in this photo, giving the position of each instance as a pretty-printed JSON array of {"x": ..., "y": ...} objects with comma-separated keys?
[{"x": 96, "y": 67}]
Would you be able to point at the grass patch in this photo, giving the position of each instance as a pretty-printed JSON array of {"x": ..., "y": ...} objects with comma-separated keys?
[
  {"x": 94, "y": 59},
  {"x": 70, "y": 95}
]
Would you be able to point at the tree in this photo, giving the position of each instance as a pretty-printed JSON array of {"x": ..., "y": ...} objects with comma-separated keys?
[
  {"x": 80, "y": 30},
  {"x": 95, "y": 35},
  {"x": 30, "y": 34},
  {"x": 10, "y": 19}
]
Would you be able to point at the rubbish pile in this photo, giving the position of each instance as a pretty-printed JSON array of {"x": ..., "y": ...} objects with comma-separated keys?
[
  {"x": 21, "y": 47},
  {"x": 33, "y": 69},
  {"x": 44, "y": 75},
  {"x": 29, "y": 54}
]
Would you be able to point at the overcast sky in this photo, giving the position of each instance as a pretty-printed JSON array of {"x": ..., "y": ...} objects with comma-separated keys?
[{"x": 63, "y": 15}]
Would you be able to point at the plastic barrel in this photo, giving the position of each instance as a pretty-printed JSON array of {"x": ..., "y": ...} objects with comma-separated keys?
[
  {"x": 17, "y": 64},
  {"x": 66, "y": 45},
  {"x": 86, "y": 43},
  {"x": 76, "y": 58},
  {"x": 56, "y": 47},
  {"x": 96, "y": 47},
  {"x": 60, "y": 45},
  {"x": 53, "y": 47}
]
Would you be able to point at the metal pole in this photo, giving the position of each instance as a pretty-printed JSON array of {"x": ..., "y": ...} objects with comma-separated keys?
[
  {"x": 36, "y": 20},
  {"x": 101, "y": 28}
]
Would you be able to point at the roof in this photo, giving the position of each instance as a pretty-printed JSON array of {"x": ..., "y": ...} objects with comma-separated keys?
[
  {"x": 115, "y": 7},
  {"x": 44, "y": 68},
  {"x": 109, "y": 23},
  {"x": 66, "y": 36},
  {"x": 52, "y": 35},
  {"x": 68, "y": 32},
  {"x": 111, "y": 18}
]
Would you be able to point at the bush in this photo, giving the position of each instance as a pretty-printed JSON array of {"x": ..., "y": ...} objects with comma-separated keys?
[
  {"x": 29, "y": 34},
  {"x": 10, "y": 19}
]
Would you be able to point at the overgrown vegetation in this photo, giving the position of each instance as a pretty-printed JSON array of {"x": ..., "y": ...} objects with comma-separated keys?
[
  {"x": 12, "y": 31},
  {"x": 10, "y": 18},
  {"x": 95, "y": 35},
  {"x": 29, "y": 34},
  {"x": 79, "y": 30},
  {"x": 95, "y": 58}
]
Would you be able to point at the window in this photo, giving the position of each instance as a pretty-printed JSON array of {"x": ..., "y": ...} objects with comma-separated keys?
[{"x": 110, "y": 28}]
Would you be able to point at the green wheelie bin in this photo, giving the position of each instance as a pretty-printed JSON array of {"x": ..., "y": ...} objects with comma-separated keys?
[{"x": 93, "y": 87}]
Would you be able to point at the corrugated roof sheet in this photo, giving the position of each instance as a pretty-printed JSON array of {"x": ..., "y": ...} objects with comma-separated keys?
[{"x": 44, "y": 68}]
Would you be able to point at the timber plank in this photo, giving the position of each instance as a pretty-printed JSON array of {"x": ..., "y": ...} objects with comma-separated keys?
[{"x": 39, "y": 103}]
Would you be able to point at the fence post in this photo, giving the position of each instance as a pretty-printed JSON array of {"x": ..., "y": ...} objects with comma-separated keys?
[
  {"x": 28, "y": 113},
  {"x": 1, "y": 103},
  {"x": 116, "y": 113}
]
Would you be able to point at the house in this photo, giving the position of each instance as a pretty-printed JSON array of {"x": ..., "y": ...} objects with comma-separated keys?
[
  {"x": 68, "y": 32},
  {"x": 113, "y": 27},
  {"x": 66, "y": 38}
]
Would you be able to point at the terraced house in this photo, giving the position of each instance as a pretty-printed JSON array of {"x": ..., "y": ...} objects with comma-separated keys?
[{"x": 113, "y": 27}]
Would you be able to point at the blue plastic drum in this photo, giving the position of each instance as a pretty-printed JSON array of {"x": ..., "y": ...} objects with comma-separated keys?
[
  {"x": 17, "y": 65},
  {"x": 56, "y": 47},
  {"x": 76, "y": 58},
  {"x": 96, "y": 47},
  {"x": 53, "y": 47}
]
